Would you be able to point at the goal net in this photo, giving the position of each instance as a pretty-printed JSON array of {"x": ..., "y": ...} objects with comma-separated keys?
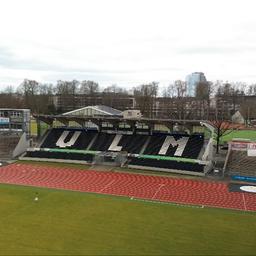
[
  {"x": 110, "y": 158},
  {"x": 241, "y": 158}
]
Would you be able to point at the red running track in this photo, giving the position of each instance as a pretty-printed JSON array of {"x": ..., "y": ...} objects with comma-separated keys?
[{"x": 177, "y": 190}]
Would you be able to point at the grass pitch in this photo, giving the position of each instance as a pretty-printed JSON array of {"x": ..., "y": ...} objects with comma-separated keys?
[
  {"x": 245, "y": 134},
  {"x": 73, "y": 223}
]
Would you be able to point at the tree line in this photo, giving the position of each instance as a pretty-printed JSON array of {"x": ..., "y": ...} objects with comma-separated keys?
[{"x": 39, "y": 96}]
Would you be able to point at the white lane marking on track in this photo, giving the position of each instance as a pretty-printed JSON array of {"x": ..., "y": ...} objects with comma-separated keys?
[
  {"x": 108, "y": 185},
  {"x": 157, "y": 191},
  {"x": 244, "y": 202}
]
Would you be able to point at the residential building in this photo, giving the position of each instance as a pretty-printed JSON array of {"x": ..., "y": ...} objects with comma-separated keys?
[{"x": 65, "y": 103}]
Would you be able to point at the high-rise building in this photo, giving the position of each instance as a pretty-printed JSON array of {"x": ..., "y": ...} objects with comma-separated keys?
[{"x": 192, "y": 80}]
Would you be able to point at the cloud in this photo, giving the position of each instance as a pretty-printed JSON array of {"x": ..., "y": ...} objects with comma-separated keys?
[
  {"x": 126, "y": 42},
  {"x": 9, "y": 60},
  {"x": 223, "y": 50},
  {"x": 6, "y": 57}
]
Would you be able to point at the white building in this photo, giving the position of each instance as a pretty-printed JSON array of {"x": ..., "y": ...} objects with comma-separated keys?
[
  {"x": 132, "y": 113},
  {"x": 94, "y": 111}
]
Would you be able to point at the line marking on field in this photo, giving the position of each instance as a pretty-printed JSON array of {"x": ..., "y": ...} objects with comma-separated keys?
[
  {"x": 157, "y": 191},
  {"x": 189, "y": 205},
  {"x": 244, "y": 202},
  {"x": 108, "y": 185},
  {"x": 167, "y": 203}
]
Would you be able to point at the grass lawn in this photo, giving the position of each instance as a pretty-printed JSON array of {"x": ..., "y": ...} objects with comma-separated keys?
[
  {"x": 245, "y": 134},
  {"x": 73, "y": 223}
]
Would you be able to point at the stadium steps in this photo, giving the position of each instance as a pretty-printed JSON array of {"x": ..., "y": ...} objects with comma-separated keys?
[
  {"x": 92, "y": 141},
  {"x": 145, "y": 145},
  {"x": 7, "y": 145}
]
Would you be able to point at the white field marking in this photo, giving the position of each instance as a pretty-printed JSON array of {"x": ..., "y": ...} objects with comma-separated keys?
[
  {"x": 161, "y": 185},
  {"x": 190, "y": 206},
  {"x": 248, "y": 188},
  {"x": 245, "y": 208},
  {"x": 108, "y": 185},
  {"x": 168, "y": 203}
]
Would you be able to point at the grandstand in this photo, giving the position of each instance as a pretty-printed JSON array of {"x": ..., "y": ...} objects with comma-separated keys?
[{"x": 139, "y": 147}]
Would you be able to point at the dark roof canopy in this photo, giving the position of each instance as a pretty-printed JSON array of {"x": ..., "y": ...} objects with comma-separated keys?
[{"x": 97, "y": 120}]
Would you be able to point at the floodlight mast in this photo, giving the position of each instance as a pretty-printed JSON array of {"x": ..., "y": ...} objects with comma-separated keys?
[{"x": 208, "y": 126}]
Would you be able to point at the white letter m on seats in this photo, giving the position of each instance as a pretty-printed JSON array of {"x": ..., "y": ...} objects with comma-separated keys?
[{"x": 170, "y": 140}]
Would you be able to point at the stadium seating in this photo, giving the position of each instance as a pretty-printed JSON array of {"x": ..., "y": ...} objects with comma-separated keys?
[
  {"x": 60, "y": 155},
  {"x": 82, "y": 142},
  {"x": 167, "y": 164},
  {"x": 192, "y": 148},
  {"x": 167, "y": 151},
  {"x": 102, "y": 142},
  {"x": 62, "y": 138},
  {"x": 133, "y": 143}
]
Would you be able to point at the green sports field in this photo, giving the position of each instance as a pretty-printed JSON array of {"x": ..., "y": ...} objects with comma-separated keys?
[
  {"x": 73, "y": 223},
  {"x": 244, "y": 134}
]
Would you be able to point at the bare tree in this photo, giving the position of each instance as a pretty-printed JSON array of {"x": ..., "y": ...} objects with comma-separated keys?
[
  {"x": 228, "y": 99},
  {"x": 29, "y": 89},
  {"x": 248, "y": 109},
  {"x": 67, "y": 91},
  {"x": 181, "y": 90},
  {"x": 67, "y": 87},
  {"x": 251, "y": 89},
  {"x": 44, "y": 99},
  {"x": 170, "y": 91},
  {"x": 115, "y": 89},
  {"x": 145, "y": 96},
  {"x": 115, "y": 96},
  {"x": 223, "y": 128},
  {"x": 11, "y": 99},
  {"x": 203, "y": 94},
  {"x": 89, "y": 87}
]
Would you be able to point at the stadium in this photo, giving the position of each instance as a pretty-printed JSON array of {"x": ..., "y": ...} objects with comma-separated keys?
[{"x": 100, "y": 182}]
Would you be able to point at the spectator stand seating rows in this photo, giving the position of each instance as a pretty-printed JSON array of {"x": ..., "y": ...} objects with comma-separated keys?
[{"x": 166, "y": 151}]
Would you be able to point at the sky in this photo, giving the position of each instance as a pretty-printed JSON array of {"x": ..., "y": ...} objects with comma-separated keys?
[{"x": 127, "y": 42}]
